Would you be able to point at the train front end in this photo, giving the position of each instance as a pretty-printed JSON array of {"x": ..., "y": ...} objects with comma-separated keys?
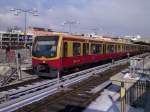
[{"x": 46, "y": 55}]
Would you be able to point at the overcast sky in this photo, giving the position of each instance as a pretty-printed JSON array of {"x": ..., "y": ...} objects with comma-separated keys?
[{"x": 115, "y": 17}]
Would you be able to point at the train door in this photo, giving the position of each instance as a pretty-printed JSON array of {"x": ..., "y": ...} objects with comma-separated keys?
[
  {"x": 65, "y": 49},
  {"x": 67, "y": 54},
  {"x": 115, "y": 47},
  {"x": 85, "y": 51},
  {"x": 64, "y": 54}
]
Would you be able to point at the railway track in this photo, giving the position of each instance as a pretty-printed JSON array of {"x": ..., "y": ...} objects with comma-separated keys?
[
  {"x": 77, "y": 97},
  {"x": 17, "y": 85},
  {"x": 24, "y": 95}
]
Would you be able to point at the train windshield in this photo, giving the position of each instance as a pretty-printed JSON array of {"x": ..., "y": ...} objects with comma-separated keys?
[{"x": 45, "y": 46}]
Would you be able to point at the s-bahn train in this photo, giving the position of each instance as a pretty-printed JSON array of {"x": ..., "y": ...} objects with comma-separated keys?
[{"x": 58, "y": 52}]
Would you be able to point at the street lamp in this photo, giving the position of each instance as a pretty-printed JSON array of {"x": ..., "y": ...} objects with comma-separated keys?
[
  {"x": 70, "y": 23},
  {"x": 19, "y": 11}
]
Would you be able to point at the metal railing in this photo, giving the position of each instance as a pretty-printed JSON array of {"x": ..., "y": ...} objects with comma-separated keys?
[
  {"x": 10, "y": 74},
  {"x": 10, "y": 59},
  {"x": 135, "y": 90},
  {"x": 137, "y": 95}
]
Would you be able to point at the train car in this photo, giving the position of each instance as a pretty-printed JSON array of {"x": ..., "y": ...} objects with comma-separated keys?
[{"x": 58, "y": 52}]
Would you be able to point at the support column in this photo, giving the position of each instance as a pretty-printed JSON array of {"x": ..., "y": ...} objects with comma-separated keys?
[{"x": 122, "y": 97}]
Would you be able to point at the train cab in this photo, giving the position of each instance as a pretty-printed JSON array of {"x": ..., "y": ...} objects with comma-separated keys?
[{"x": 46, "y": 55}]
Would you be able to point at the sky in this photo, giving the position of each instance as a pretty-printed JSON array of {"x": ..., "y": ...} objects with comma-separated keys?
[{"x": 113, "y": 17}]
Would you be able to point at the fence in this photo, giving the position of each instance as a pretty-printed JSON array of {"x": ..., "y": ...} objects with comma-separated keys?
[
  {"x": 137, "y": 95},
  {"x": 11, "y": 60},
  {"x": 10, "y": 56},
  {"x": 140, "y": 66},
  {"x": 135, "y": 92}
]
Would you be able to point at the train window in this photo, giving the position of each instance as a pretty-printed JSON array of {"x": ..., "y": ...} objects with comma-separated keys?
[
  {"x": 45, "y": 46},
  {"x": 104, "y": 48},
  {"x": 124, "y": 48},
  {"x": 76, "y": 49},
  {"x": 119, "y": 48},
  {"x": 65, "y": 49},
  {"x": 115, "y": 48},
  {"x": 127, "y": 48},
  {"x": 132, "y": 48},
  {"x": 96, "y": 48},
  {"x": 85, "y": 49},
  {"x": 110, "y": 48}
]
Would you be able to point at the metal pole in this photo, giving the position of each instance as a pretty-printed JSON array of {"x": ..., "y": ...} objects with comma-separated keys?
[
  {"x": 131, "y": 67},
  {"x": 143, "y": 65},
  {"x": 70, "y": 28},
  {"x": 112, "y": 61},
  {"x": 25, "y": 31},
  {"x": 122, "y": 97},
  {"x": 18, "y": 57},
  {"x": 58, "y": 80},
  {"x": 1, "y": 39},
  {"x": 128, "y": 54},
  {"x": 25, "y": 22}
]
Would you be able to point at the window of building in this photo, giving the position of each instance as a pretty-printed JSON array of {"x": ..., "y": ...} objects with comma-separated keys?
[
  {"x": 76, "y": 49},
  {"x": 85, "y": 49},
  {"x": 65, "y": 49}
]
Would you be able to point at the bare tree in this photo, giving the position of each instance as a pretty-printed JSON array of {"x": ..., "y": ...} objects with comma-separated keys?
[{"x": 14, "y": 28}]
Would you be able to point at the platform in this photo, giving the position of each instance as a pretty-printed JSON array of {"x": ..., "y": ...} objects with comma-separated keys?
[
  {"x": 132, "y": 75},
  {"x": 136, "y": 85}
]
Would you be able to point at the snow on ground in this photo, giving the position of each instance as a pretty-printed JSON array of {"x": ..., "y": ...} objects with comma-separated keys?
[
  {"x": 100, "y": 87},
  {"x": 108, "y": 102},
  {"x": 130, "y": 76}
]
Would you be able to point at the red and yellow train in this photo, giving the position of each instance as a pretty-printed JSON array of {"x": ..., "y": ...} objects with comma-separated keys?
[{"x": 58, "y": 52}]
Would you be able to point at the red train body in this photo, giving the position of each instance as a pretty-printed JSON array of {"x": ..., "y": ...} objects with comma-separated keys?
[{"x": 55, "y": 53}]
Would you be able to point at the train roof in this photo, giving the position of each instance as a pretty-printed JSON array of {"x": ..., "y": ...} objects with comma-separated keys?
[
  {"x": 79, "y": 37},
  {"x": 94, "y": 39},
  {"x": 98, "y": 38}
]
